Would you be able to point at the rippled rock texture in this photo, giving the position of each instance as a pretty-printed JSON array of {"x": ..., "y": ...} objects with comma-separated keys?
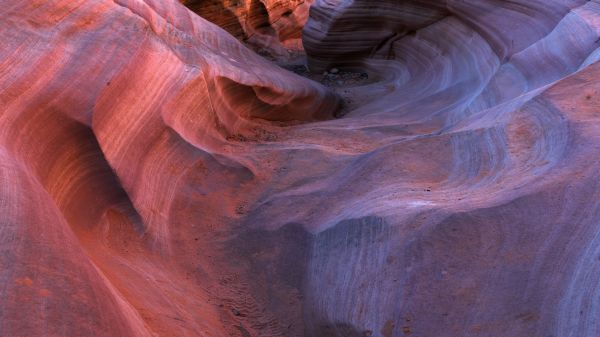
[
  {"x": 159, "y": 178},
  {"x": 272, "y": 27}
]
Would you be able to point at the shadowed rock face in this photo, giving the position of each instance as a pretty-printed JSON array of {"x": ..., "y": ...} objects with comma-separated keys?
[
  {"x": 216, "y": 12},
  {"x": 158, "y": 178},
  {"x": 272, "y": 27}
]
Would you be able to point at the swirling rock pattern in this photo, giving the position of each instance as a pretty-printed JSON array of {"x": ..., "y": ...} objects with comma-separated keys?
[
  {"x": 273, "y": 27},
  {"x": 158, "y": 178}
]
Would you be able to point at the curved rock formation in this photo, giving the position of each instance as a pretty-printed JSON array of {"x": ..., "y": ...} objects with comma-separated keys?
[
  {"x": 272, "y": 27},
  {"x": 161, "y": 179}
]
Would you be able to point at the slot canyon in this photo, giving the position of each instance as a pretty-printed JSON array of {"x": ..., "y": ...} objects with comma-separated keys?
[{"x": 290, "y": 168}]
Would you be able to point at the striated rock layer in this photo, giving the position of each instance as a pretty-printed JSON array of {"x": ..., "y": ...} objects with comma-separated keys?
[
  {"x": 272, "y": 27},
  {"x": 158, "y": 178}
]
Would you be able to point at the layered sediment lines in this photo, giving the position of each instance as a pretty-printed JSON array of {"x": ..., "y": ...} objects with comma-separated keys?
[
  {"x": 272, "y": 27},
  {"x": 158, "y": 178}
]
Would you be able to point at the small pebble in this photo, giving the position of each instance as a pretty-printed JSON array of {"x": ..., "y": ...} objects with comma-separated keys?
[{"x": 334, "y": 70}]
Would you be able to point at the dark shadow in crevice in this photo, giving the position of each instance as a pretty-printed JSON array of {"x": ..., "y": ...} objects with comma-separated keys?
[
  {"x": 215, "y": 12},
  {"x": 258, "y": 18}
]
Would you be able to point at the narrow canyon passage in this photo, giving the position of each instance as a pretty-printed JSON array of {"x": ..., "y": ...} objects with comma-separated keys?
[{"x": 326, "y": 168}]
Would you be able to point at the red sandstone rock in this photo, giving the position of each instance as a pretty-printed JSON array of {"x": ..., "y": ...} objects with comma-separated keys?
[
  {"x": 158, "y": 178},
  {"x": 273, "y": 27}
]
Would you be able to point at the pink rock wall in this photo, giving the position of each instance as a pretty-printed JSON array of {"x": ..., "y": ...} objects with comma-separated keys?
[{"x": 158, "y": 178}]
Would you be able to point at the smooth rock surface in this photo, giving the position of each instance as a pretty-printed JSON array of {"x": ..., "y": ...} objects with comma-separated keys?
[{"x": 159, "y": 178}]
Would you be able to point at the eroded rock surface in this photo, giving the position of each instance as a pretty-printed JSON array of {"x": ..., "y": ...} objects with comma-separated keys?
[
  {"x": 271, "y": 27},
  {"x": 159, "y": 178}
]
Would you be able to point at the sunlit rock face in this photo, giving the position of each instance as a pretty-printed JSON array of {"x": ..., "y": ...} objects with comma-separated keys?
[{"x": 159, "y": 178}]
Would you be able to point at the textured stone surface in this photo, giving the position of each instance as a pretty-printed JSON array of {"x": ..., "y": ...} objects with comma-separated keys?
[
  {"x": 158, "y": 178},
  {"x": 272, "y": 27}
]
